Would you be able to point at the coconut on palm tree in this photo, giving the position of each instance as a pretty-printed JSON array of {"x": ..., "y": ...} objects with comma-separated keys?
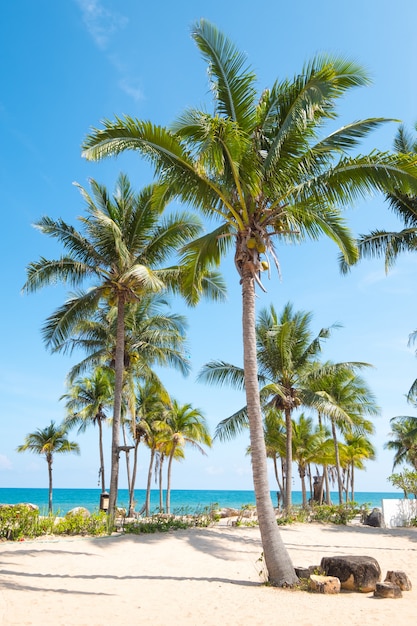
[
  {"x": 261, "y": 166},
  {"x": 120, "y": 253},
  {"x": 49, "y": 441}
]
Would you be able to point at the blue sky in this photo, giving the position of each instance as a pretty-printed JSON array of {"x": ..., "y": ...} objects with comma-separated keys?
[{"x": 67, "y": 65}]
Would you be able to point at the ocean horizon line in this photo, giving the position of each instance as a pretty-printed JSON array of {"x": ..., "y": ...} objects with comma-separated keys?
[{"x": 190, "y": 500}]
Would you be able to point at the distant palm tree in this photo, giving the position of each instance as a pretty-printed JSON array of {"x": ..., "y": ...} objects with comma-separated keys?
[
  {"x": 348, "y": 400},
  {"x": 86, "y": 404},
  {"x": 403, "y": 440},
  {"x": 49, "y": 441},
  {"x": 357, "y": 449},
  {"x": 311, "y": 444},
  {"x": 184, "y": 425}
]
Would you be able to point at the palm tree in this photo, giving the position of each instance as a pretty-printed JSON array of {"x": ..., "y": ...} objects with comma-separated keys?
[
  {"x": 121, "y": 252},
  {"x": 184, "y": 425},
  {"x": 390, "y": 244},
  {"x": 356, "y": 450},
  {"x": 348, "y": 400},
  {"x": 49, "y": 441},
  {"x": 310, "y": 444},
  {"x": 258, "y": 166},
  {"x": 403, "y": 440},
  {"x": 86, "y": 403}
]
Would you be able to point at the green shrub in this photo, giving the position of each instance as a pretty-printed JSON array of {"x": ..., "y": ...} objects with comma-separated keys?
[{"x": 19, "y": 522}]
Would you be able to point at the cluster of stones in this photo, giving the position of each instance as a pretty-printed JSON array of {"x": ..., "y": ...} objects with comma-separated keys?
[{"x": 353, "y": 573}]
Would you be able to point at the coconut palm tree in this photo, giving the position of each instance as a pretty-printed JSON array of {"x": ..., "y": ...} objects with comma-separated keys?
[
  {"x": 310, "y": 444},
  {"x": 49, "y": 441},
  {"x": 357, "y": 449},
  {"x": 348, "y": 401},
  {"x": 120, "y": 253},
  {"x": 259, "y": 166},
  {"x": 390, "y": 244},
  {"x": 87, "y": 401},
  {"x": 184, "y": 425},
  {"x": 403, "y": 440}
]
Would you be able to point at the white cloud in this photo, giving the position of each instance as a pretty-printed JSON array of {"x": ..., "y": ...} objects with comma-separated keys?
[
  {"x": 132, "y": 90},
  {"x": 5, "y": 463},
  {"x": 100, "y": 22}
]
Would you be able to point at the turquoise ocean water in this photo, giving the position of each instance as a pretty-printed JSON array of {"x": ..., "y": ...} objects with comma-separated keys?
[{"x": 182, "y": 500}]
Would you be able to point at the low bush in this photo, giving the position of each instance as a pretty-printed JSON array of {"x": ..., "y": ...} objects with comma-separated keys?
[{"x": 19, "y": 522}]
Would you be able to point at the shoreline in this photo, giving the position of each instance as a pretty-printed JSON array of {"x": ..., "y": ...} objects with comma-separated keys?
[{"x": 206, "y": 576}]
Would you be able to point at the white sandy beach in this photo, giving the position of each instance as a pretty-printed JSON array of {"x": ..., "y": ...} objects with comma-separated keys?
[{"x": 195, "y": 577}]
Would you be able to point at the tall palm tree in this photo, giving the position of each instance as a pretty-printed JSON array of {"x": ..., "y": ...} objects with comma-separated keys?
[
  {"x": 258, "y": 166},
  {"x": 120, "y": 253},
  {"x": 184, "y": 425},
  {"x": 87, "y": 400},
  {"x": 403, "y": 440},
  {"x": 49, "y": 441}
]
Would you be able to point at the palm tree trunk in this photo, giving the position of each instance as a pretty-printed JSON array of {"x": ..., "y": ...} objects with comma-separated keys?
[
  {"x": 100, "y": 444},
  {"x": 277, "y": 560},
  {"x": 337, "y": 462},
  {"x": 352, "y": 482},
  {"x": 303, "y": 486},
  {"x": 148, "y": 484},
  {"x": 118, "y": 388},
  {"x": 161, "y": 499},
  {"x": 288, "y": 459},
  {"x": 168, "y": 493},
  {"x": 49, "y": 461},
  {"x": 133, "y": 480}
]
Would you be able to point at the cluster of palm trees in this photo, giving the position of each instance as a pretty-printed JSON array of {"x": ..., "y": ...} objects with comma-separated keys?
[
  {"x": 263, "y": 171},
  {"x": 292, "y": 377}
]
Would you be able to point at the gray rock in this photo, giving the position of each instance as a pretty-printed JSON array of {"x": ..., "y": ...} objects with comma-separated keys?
[
  {"x": 374, "y": 518},
  {"x": 387, "y": 590},
  {"x": 356, "y": 573}
]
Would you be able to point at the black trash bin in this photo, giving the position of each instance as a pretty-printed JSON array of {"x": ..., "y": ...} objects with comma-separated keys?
[{"x": 104, "y": 501}]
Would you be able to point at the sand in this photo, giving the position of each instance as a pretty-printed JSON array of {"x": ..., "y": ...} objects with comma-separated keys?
[{"x": 195, "y": 577}]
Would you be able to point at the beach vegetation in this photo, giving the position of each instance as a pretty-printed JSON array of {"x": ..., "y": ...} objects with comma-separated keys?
[
  {"x": 406, "y": 481},
  {"x": 21, "y": 521},
  {"x": 120, "y": 252},
  {"x": 260, "y": 166},
  {"x": 48, "y": 442}
]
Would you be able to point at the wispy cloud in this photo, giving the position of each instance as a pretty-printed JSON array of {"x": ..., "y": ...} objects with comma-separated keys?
[
  {"x": 5, "y": 463},
  {"x": 100, "y": 22}
]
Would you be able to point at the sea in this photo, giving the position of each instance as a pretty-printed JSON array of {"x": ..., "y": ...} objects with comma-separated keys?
[{"x": 182, "y": 500}]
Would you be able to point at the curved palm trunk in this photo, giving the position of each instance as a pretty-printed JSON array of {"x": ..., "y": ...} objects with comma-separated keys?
[
  {"x": 49, "y": 461},
  {"x": 118, "y": 386},
  {"x": 288, "y": 459},
  {"x": 337, "y": 463},
  {"x": 148, "y": 484},
  {"x": 168, "y": 493},
  {"x": 277, "y": 560},
  {"x": 100, "y": 445}
]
